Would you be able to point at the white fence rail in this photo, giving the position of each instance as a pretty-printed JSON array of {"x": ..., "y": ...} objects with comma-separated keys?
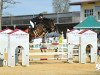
[{"x": 49, "y": 53}]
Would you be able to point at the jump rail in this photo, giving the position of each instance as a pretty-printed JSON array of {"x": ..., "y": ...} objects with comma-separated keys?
[
  {"x": 47, "y": 59},
  {"x": 48, "y": 53}
]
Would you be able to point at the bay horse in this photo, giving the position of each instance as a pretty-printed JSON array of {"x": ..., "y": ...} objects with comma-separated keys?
[{"x": 39, "y": 30}]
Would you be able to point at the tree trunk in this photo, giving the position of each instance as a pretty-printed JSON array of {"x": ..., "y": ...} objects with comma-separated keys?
[{"x": 1, "y": 4}]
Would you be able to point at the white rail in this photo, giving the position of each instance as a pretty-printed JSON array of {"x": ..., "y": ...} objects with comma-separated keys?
[{"x": 49, "y": 53}]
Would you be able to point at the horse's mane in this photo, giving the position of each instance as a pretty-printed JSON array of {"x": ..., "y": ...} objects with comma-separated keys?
[{"x": 49, "y": 24}]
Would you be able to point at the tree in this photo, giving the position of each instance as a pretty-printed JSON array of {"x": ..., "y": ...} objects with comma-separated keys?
[
  {"x": 60, "y": 6},
  {"x": 3, "y": 5}
]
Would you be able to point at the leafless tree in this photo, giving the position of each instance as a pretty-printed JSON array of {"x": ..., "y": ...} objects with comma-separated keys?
[
  {"x": 3, "y": 5},
  {"x": 60, "y": 6}
]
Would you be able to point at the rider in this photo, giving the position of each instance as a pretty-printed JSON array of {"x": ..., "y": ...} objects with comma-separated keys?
[
  {"x": 36, "y": 20},
  {"x": 39, "y": 18}
]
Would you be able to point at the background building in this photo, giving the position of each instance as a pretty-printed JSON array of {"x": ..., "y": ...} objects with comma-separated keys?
[
  {"x": 63, "y": 21},
  {"x": 88, "y": 7},
  {"x": 89, "y": 15}
]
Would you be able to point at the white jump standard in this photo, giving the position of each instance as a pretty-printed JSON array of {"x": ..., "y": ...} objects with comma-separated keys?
[
  {"x": 4, "y": 44},
  {"x": 73, "y": 40},
  {"x": 82, "y": 39},
  {"x": 18, "y": 38},
  {"x": 88, "y": 38}
]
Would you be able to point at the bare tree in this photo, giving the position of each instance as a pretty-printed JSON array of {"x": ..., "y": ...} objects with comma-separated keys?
[
  {"x": 3, "y": 5},
  {"x": 60, "y": 6}
]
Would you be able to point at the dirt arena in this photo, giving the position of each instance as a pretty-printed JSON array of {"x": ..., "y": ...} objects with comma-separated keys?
[{"x": 51, "y": 67}]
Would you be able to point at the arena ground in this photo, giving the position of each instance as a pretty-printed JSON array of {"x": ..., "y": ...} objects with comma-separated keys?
[{"x": 51, "y": 69}]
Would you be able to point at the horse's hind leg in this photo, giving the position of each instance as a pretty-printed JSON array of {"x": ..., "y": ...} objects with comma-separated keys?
[{"x": 41, "y": 50}]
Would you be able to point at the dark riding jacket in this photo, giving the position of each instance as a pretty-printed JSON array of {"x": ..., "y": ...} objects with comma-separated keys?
[{"x": 36, "y": 20}]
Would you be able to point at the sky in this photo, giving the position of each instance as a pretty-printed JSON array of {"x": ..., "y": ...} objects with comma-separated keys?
[{"x": 29, "y": 7}]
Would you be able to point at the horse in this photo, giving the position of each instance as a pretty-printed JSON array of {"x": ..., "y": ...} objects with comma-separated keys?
[
  {"x": 39, "y": 30},
  {"x": 48, "y": 24},
  {"x": 36, "y": 32}
]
